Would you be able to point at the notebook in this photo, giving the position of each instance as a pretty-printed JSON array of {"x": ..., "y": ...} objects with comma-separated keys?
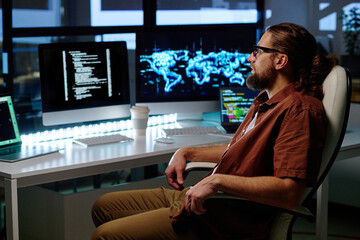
[
  {"x": 11, "y": 148},
  {"x": 235, "y": 103}
]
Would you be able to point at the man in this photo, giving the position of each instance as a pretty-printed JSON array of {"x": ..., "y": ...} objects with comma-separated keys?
[{"x": 273, "y": 156}]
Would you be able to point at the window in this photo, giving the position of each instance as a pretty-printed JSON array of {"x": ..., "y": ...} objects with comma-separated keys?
[
  {"x": 60, "y": 13},
  {"x": 2, "y": 64},
  {"x": 51, "y": 21},
  {"x": 328, "y": 30},
  {"x": 116, "y": 13},
  {"x": 171, "y": 12}
]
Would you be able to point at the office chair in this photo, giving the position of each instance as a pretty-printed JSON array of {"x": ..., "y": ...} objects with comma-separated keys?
[{"x": 336, "y": 101}]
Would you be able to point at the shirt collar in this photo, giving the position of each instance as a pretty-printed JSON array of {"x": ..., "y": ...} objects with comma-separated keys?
[{"x": 263, "y": 100}]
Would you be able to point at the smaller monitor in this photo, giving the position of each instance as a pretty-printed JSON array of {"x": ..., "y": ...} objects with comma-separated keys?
[
  {"x": 235, "y": 103},
  {"x": 84, "y": 81}
]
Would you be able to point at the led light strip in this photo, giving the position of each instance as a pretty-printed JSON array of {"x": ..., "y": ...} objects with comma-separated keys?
[{"x": 92, "y": 129}]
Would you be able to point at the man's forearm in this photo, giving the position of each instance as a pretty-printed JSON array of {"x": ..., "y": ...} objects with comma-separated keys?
[
  {"x": 204, "y": 154},
  {"x": 175, "y": 170},
  {"x": 274, "y": 191}
]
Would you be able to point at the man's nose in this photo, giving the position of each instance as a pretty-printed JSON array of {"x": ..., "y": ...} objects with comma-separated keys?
[{"x": 251, "y": 58}]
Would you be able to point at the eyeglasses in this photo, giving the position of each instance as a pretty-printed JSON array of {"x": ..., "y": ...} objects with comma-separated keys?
[{"x": 258, "y": 49}]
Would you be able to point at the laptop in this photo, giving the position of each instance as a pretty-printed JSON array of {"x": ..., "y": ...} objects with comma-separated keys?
[
  {"x": 11, "y": 148},
  {"x": 235, "y": 103}
]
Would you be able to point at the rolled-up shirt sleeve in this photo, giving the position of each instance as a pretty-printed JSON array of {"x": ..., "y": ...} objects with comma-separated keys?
[{"x": 298, "y": 147}]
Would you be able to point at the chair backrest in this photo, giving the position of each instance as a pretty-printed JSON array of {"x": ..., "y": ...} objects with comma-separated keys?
[{"x": 336, "y": 101}]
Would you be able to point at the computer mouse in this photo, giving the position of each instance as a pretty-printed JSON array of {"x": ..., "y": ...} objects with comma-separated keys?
[{"x": 166, "y": 140}]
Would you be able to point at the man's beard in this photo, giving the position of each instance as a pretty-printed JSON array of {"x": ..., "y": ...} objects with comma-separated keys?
[{"x": 262, "y": 81}]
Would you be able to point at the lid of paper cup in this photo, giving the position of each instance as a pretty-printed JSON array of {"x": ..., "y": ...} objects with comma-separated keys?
[{"x": 140, "y": 108}]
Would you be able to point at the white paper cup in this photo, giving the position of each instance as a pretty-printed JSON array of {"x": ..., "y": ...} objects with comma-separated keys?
[{"x": 139, "y": 118}]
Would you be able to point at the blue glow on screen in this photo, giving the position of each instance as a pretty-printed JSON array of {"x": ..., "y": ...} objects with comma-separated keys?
[
  {"x": 176, "y": 66},
  {"x": 184, "y": 64}
]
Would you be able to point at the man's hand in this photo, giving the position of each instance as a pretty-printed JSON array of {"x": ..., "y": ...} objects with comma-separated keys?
[
  {"x": 196, "y": 196},
  {"x": 175, "y": 170}
]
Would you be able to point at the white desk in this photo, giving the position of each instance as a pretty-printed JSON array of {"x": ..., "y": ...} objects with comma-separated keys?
[{"x": 76, "y": 161}]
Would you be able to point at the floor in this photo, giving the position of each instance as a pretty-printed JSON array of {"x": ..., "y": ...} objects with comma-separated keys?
[{"x": 343, "y": 224}]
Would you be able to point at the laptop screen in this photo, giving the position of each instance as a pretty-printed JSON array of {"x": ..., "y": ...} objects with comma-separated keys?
[
  {"x": 235, "y": 103},
  {"x": 8, "y": 125}
]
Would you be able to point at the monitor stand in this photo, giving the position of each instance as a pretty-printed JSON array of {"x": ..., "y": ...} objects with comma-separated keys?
[
  {"x": 199, "y": 119},
  {"x": 197, "y": 116}
]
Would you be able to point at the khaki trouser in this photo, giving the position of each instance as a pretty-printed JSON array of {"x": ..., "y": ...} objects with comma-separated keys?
[{"x": 139, "y": 214}]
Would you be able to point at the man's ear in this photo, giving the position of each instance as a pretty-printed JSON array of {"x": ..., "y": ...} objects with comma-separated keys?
[{"x": 280, "y": 61}]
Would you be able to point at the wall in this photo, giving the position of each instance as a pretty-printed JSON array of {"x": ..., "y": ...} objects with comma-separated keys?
[
  {"x": 307, "y": 13},
  {"x": 354, "y": 119},
  {"x": 344, "y": 175},
  {"x": 284, "y": 11}
]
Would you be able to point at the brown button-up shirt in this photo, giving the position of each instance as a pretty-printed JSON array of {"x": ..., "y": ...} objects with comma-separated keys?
[{"x": 286, "y": 141}]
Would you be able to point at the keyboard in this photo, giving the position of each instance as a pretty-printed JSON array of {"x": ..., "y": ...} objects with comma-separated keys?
[
  {"x": 192, "y": 131},
  {"x": 105, "y": 139}
]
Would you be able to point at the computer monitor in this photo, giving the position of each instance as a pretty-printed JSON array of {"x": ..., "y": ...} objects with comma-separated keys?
[
  {"x": 235, "y": 103},
  {"x": 84, "y": 81},
  {"x": 181, "y": 68}
]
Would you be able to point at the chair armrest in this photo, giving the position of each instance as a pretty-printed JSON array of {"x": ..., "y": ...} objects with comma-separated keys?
[
  {"x": 300, "y": 211},
  {"x": 199, "y": 166}
]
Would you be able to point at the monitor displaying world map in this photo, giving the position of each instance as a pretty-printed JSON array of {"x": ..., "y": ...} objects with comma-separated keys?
[{"x": 193, "y": 62}]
